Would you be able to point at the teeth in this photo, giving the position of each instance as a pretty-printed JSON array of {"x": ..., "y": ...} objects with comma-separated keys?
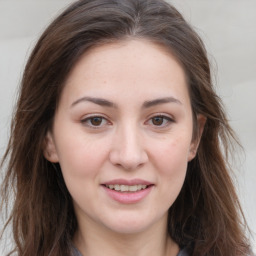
[
  {"x": 123, "y": 188},
  {"x": 133, "y": 188},
  {"x": 126, "y": 188}
]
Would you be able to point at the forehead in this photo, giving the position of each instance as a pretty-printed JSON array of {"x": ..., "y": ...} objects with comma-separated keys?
[{"x": 128, "y": 66}]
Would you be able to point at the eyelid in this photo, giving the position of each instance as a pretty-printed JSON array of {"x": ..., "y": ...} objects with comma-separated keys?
[
  {"x": 90, "y": 116},
  {"x": 167, "y": 117}
]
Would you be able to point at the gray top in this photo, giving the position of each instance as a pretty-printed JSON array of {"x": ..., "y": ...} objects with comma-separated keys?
[
  {"x": 75, "y": 252},
  {"x": 183, "y": 252}
]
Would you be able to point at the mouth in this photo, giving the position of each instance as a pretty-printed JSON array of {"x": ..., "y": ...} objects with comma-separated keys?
[
  {"x": 127, "y": 191},
  {"x": 130, "y": 193},
  {"x": 126, "y": 188}
]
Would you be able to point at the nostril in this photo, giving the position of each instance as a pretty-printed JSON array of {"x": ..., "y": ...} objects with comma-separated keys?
[{"x": 128, "y": 160}]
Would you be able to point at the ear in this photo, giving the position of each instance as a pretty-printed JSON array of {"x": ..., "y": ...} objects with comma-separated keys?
[
  {"x": 49, "y": 149},
  {"x": 201, "y": 120}
]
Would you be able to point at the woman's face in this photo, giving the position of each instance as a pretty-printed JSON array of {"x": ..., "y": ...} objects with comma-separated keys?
[{"x": 122, "y": 134}]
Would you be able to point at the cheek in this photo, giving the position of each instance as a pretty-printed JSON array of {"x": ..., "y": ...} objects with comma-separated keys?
[
  {"x": 171, "y": 162},
  {"x": 81, "y": 162},
  {"x": 79, "y": 156},
  {"x": 172, "y": 170},
  {"x": 173, "y": 154}
]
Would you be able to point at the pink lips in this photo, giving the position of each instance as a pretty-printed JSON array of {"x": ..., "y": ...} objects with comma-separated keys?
[
  {"x": 128, "y": 182},
  {"x": 127, "y": 197}
]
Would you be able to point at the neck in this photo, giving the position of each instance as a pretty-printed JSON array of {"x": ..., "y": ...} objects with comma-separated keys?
[{"x": 92, "y": 241}]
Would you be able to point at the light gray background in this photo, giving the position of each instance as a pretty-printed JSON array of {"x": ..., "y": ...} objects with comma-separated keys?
[{"x": 228, "y": 28}]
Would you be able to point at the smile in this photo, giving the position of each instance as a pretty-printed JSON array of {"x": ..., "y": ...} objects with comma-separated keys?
[
  {"x": 127, "y": 194},
  {"x": 126, "y": 188}
]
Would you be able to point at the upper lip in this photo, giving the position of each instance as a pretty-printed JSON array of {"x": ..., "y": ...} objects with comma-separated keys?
[{"x": 128, "y": 182}]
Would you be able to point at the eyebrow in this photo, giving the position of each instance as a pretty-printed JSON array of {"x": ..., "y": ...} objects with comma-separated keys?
[
  {"x": 98, "y": 101},
  {"x": 146, "y": 104},
  {"x": 151, "y": 103}
]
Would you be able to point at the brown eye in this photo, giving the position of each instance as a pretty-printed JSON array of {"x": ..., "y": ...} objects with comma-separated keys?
[
  {"x": 96, "y": 121},
  {"x": 157, "y": 120},
  {"x": 160, "y": 121}
]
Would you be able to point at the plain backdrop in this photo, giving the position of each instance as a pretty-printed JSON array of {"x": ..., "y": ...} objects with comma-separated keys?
[{"x": 228, "y": 28}]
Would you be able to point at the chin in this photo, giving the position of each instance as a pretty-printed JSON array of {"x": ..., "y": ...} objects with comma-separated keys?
[
  {"x": 126, "y": 225},
  {"x": 128, "y": 230}
]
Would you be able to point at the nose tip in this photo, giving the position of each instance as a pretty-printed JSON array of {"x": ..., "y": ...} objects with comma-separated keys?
[
  {"x": 129, "y": 153},
  {"x": 128, "y": 161}
]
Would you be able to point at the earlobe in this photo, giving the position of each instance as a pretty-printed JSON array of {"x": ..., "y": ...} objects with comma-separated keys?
[
  {"x": 201, "y": 120},
  {"x": 49, "y": 149}
]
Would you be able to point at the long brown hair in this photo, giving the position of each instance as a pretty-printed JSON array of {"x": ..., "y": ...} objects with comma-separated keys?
[{"x": 206, "y": 217}]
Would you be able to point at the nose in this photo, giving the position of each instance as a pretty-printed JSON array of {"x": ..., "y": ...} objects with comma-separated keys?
[{"x": 128, "y": 150}]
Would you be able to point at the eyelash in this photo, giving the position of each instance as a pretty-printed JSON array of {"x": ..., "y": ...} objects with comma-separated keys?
[
  {"x": 168, "y": 120},
  {"x": 88, "y": 121}
]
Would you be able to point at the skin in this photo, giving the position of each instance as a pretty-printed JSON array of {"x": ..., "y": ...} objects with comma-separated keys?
[{"x": 124, "y": 142}]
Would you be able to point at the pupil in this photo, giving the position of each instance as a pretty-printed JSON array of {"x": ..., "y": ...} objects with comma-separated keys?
[
  {"x": 96, "y": 121},
  {"x": 157, "y": 120}
]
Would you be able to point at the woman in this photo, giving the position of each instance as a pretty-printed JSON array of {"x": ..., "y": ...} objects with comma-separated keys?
[{"x": 116, "y": 143}]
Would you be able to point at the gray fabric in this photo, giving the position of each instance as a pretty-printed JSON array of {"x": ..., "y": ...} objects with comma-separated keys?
[
  {"x": 75, "y": 252},
  {"x": 183, "y": 252}
]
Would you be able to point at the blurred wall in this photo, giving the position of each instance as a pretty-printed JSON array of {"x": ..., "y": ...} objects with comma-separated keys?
[{"x": 229, "y": 32}]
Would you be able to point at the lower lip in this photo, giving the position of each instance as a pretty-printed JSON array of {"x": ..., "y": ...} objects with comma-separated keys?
[{"x": 128, "y": 197}]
